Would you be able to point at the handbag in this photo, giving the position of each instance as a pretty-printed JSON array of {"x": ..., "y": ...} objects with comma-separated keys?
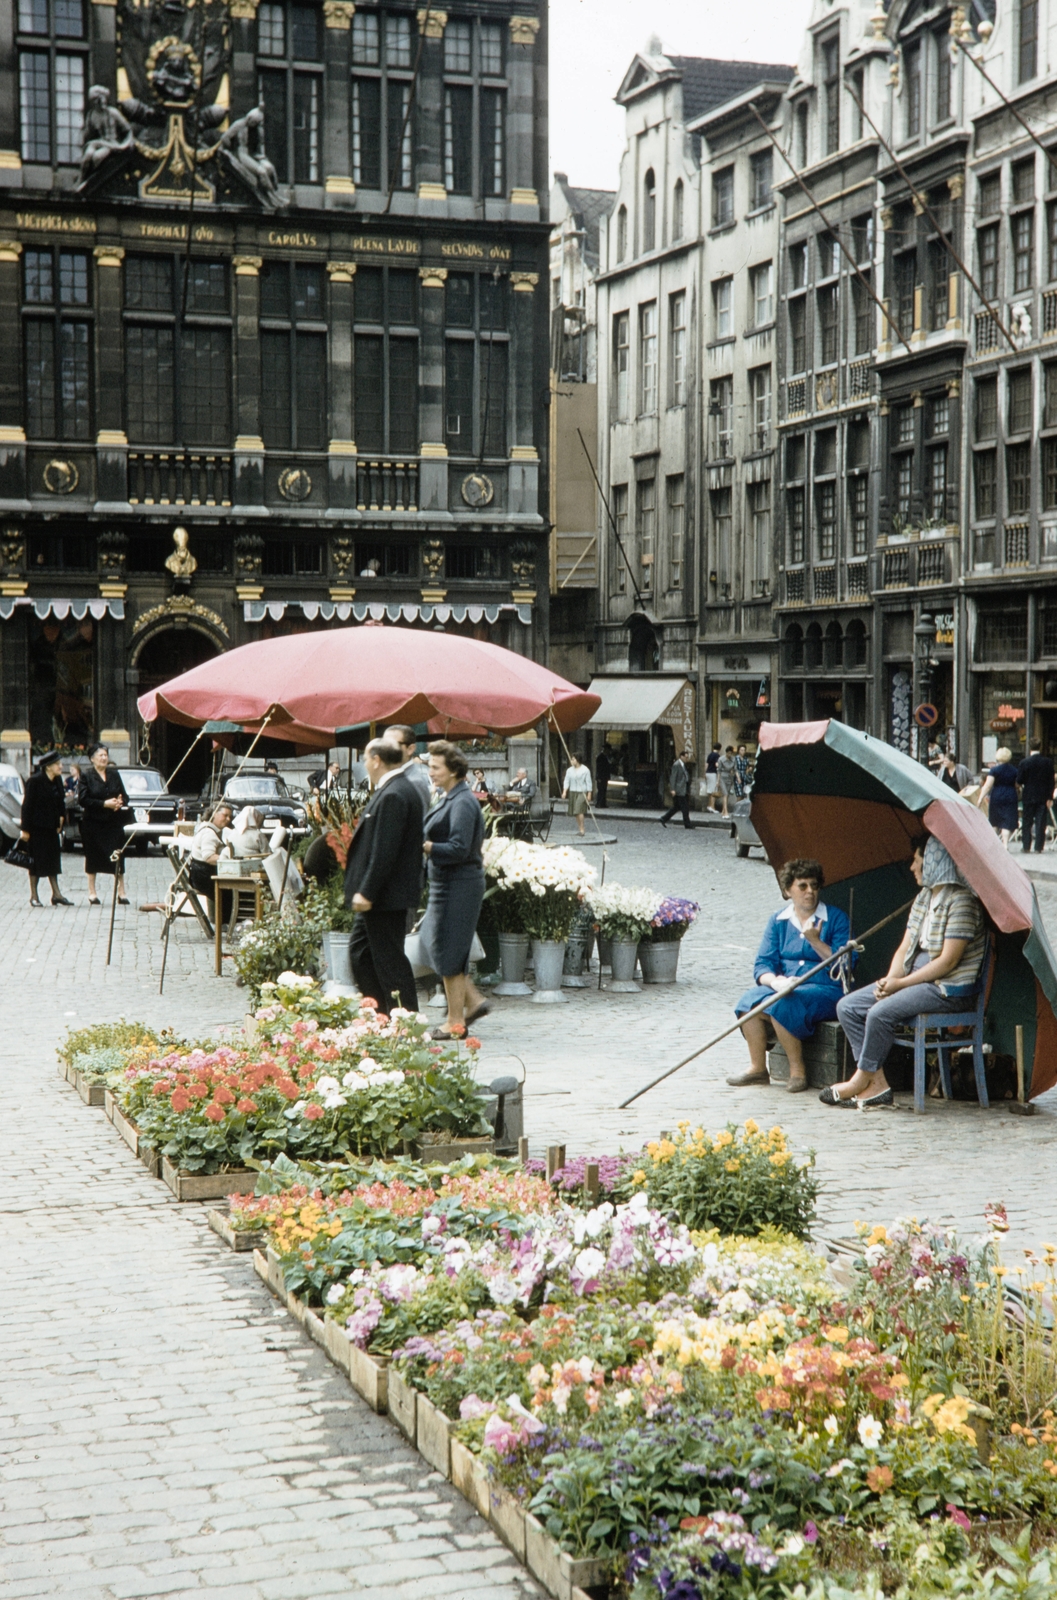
[
  {"x": 19, "y": 856},
  {"x": 416, "y": 952}
]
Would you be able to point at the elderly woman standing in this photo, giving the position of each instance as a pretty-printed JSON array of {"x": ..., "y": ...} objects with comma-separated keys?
[
  {"x": 43, "y": 814},
  {"x": 454, "y": 833},
  {"x": 102, "y": 799},
  {"x": 936, "y": 968},
  {"x": 999, "y": 795}
]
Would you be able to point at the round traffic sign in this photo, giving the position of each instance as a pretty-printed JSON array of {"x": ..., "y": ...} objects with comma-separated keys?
[{"x": 926, "y": 716}]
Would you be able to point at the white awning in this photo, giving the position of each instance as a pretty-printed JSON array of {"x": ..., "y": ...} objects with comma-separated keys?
[
  {"x": 78, "y": 609},
  {"x": 635, "y": 703},
  {"x": 380, "y": 611}
]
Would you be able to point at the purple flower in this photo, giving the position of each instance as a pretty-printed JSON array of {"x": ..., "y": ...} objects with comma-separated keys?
[{"x": 810, "y": 1533}]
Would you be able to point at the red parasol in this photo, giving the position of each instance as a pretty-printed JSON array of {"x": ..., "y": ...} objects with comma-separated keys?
[{"x": 310, "y": 684}]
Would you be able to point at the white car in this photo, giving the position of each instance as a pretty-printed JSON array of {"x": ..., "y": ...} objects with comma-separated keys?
[{"x": 12, "y": 790}]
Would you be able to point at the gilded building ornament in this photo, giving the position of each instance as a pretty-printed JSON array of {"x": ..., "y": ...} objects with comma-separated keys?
[
  {"x": 112, "y": 547},
  {"x": 877, "y": 20},
  {"x": 431, "y": 22},
  {"x": 243, "y": 10},
  {"x": 341, "y": 271},
  {"x": 433, "y": 559},
  {"x": 12, "y": 550},
  {"x": 10, "y": 250},
  {"x": 433, "y": 277},
  {"x": 338, "y": 14},
  {"x": 477, "y": 490},
  {"x": 524, "y": 282},
  {"x": 60, "y": 476},
  {"x": 523, "y": 564},
  {"x": 919, "y": 203},
  {"x": 181, "y": 563},
  {"x": 180, "y": 607},
  {"x": 956, "y": 185},
  {"x": 108, "y": 255},
  {"x": 249, "y": 555},
  {"x": 887, "y": 218},
  {"x": 826, "y": 392},
  {"x": 342, "y": 556},
  {"x": 295, "y": 483},
  {"x": 523, "y": 30},
  {"x": 247, "y": 266}
]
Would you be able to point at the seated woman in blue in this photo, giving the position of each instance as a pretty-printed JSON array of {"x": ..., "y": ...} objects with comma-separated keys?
[{"x": 799, "y": 936}]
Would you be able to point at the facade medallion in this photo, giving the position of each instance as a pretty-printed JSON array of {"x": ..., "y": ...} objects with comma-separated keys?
[
  {"x": 60, "y": 477},
  {"x": 477, "y": 490},
  {"x": 295, "y": 483}
]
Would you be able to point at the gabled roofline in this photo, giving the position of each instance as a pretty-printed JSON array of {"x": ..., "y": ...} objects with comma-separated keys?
[
  {"x": 767, "y": 88},
  {"x": 625, "y": 95}
]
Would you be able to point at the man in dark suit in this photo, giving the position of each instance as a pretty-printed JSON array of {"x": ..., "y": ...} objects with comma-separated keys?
[
  {"x": 383, "y": 878},
  {"x": 1035, "y": 780}
]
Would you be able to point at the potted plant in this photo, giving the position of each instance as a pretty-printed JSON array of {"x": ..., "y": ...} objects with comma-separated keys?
[
  {"x": 623, "y": 917},
  {"x": 336, "y": 938},
  {"x": 537, "y": 894},
  {"x": 285, "y": 940},
  {"x": 659, "y": 948}
]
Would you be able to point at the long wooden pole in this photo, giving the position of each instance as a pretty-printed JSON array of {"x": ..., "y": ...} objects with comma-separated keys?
[{"x": 764, "y": 1005}]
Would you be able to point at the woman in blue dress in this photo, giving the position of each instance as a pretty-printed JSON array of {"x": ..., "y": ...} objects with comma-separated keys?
[
  {"x": 999, "y": 795},
  {"x": 799, "y": 936}
]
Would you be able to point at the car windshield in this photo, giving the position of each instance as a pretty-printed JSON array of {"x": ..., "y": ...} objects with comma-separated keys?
[
  {"x": 141, "y": 780},
  {"x": 12, "y": 783},
  {"x": 270, "y": 788}
]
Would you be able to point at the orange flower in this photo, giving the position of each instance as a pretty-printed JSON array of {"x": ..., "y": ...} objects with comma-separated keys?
[
  {"x": 879, "y": 1479},
  {"x": 214, "y": 1112},
  {"x": 180, "y": 1100},
  {"x": 246, "y": 1106},
  {"x": 472, "y": 1043},
  {"x": 313, "y": 1112}
]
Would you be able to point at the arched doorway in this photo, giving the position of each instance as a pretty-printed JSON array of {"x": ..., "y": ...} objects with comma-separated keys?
[{"x": 165, "y": 655}]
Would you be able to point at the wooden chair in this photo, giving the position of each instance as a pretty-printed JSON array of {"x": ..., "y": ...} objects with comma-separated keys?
[{"x": 932, "y": 1030}]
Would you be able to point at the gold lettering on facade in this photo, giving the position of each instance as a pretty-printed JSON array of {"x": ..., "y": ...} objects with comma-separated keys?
[
  {"x": 385, "y": 247},
  {"x": 295, "y": 241},
  {"x": 50, "y": 222}
]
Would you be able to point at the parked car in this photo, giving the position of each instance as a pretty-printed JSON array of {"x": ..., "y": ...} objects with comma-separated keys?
[
  {"x": 269, "y": 794},
  {"x": 11, "y": 791},
  {"x": 154, "y": 809},
  {"x": 741, "y": 829}
]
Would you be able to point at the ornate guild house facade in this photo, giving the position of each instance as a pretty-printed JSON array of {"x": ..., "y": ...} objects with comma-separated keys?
[{"x": 274, "y": 338}]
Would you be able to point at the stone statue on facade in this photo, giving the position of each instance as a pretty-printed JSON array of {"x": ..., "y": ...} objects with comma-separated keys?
[
  {"x": 106, "y": 132},
  {"x": 181, "y": 563},
  {"x": 243, "y": 148}
]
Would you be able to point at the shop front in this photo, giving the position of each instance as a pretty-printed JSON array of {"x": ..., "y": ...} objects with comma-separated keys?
[
  {"x": 739, "y": 690},
  {"x": 644, "y": 722}
]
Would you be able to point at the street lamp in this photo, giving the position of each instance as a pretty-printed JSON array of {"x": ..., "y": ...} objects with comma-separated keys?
[{"x": 924, "y": 642}]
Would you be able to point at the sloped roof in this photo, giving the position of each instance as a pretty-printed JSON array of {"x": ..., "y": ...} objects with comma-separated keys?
[
  {"x": 589, "y": 207},
  {"x": 708, "y": 83}
]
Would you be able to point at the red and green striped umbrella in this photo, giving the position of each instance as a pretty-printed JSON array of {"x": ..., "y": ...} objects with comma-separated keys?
[{"x": 851, "y": 802}]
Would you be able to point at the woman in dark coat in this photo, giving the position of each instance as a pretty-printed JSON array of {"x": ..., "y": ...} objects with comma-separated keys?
[
  {"x": 999, "y": 794},
  {"x": 43, "y": 814},
  {"x": 102, "y": 799},
  {"x": 454, "y": 833}
]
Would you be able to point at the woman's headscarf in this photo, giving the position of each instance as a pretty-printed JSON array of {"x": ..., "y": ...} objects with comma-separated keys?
[{"x": 937, "y": 867}]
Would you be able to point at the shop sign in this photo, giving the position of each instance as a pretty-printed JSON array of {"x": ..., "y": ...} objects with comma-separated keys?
[
  {"x": 733, "y": 699},
  {"x": 1014, "y": 713},
  {"x": 1001, "y": 724},
  {"x": 944, "y": 621},
  {"x": 763, "y": 695}
]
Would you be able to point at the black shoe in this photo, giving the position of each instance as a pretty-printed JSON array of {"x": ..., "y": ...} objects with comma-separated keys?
[
  {"x": 93, "y": 901},
  {"x": 38, "y": 904},
  {"x": 122, "y": 901},
  {"x": 60, "y": 900}
]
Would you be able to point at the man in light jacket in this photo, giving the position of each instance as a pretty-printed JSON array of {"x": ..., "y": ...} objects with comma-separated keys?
[
  {"x": 679, "y": 783},
  {"x": 383, "y": 878}
]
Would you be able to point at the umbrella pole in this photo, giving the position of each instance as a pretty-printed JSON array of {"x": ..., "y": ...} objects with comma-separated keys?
[
  {"x": 253, "y": 746},
  {"x": 764, "y": 1005},
  {"x": 844, "y": 1036}
]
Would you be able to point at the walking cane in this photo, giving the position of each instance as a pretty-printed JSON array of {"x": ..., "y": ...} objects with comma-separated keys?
[{"x": 855, "y": 945}]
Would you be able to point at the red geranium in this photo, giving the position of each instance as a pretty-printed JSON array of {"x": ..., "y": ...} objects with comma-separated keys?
[
  {"x": 214, "y": 1112},
  {"x": 313, "y": 1112},
  {"x": 246, "y": 1106}
]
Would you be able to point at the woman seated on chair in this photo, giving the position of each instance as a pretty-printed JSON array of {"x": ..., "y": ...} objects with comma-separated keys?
[
  {"x": 936, "y": 968},
  {"x": 795, "y": 939}
]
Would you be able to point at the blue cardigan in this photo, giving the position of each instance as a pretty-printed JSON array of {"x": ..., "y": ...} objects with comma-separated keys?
[{"x": 784, "y": 950}]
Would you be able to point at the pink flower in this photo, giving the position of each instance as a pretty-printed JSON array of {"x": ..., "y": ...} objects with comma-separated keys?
[
  {"x": 472, "y": 1406},
  {"x": 810, "y": 1533},
  {"x": 956, "y": 1515},
  {"x": 214, "y": 1112},
  {"x": 313, "y": 1112},
  {"x": 500, "y": 1436}
]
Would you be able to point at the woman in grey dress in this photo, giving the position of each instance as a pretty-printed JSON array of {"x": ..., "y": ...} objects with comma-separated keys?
[{"x": 454, "y": 833}]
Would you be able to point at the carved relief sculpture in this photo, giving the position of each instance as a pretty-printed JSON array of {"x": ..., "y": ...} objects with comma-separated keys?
[
  {"x": 112, "y": 547},
  {"x": 523, "y": 564},
  {"x": 249, "y": 556},
  {"x": 243, "y": 148},
  {"x": 181, "y": 563},
  {"x": 342, "y": 557},
  {"x": 12, "y": 551},
  {"x": 433, "y": 559},
  {"x": 106, "y": 133}
]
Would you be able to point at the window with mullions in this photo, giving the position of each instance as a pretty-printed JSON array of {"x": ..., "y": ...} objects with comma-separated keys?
[
  {"x": 57, "y": 337},
  {"x": 1023, "y": 231},
  {"x": 985, "y": 483},
  {"x": 470, "y": 561},
  {"x": 51, "y": 79},
  {"x": 1028, "y": 40},
  {"x": 382, "y": 132},
  {"x": 380, "y": 560},
  {"x": 477, "y": 364},
  {"x": 987, "y": 254},
  {"x": 859, "y": 512},
  {"x": 942, "y": 47},
  {"x": 177, "y": 364},
  {"x": 831, "y": 95},
  {"x": 292, "y": 558},
  {"x": 795, "y": 526},
  {"x": 386, "y": 322},
  {"x": 293, "y": 357},
  {"x": 912, "y": 91},
  {"x": 1018, "y": 478},
  {"x": 147, "y": 552},
  {"x": 289, "y": 42},
  {"x": 463, "y": 41}
]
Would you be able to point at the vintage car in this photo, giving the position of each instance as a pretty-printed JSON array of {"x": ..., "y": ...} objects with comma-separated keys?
[
  {"x": 11, "y": 791},
  {"x": 154, "y": 809},
  {"x": 267, "y": 792},
  {"x": 741, "y": 829}
]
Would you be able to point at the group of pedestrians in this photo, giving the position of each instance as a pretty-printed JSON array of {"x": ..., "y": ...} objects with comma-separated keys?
[
  {"x": 1021, "y": 795},
  {"x": 414, "y": 820},
  {"x": 104, "y": 808}
]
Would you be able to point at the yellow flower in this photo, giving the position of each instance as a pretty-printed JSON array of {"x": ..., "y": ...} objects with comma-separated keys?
[
  {"x": 779, "y": 1158},
  {"x": 733, "y": 1166},
  {"x": 722, "y": 1139},
  {"x": 752, "y": 1127},
  {"x": 879, "y": 1235},
  {"x": 835, "y": 1335},
  {"x": 638, "y": 1177}
]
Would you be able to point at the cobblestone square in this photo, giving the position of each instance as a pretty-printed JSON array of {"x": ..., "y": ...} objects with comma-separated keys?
[{"x": 169, "y": 1430}]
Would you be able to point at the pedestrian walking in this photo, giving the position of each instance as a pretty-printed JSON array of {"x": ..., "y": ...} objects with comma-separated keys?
[
  {"x": 711, "y": 779},
  {"x": 741, "y": 773},
  {"x": 726, "y": 777},
  {"x": 955, "y": 774},
  {"x": 454, "y": 834},
  {"x": 577, "y": 790},
  {"x": 383, "y": 879},
  {"x": 43, "y": 815},
  {"x": 679, "y": 783},
  {"x": 999, "y": 794},
  {"x": 102, "y": 799},
  {"x": 1036, "y": 781},
  {"x": 603, "y": 773}
]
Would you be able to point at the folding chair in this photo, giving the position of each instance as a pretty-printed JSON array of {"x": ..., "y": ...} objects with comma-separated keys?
[
  {"x": 937, "y": 1025},
  {"x": 540, "y": 817}
]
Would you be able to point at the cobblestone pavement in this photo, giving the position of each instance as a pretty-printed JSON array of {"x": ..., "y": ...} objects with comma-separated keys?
[{"x": 168, "y": 1430}]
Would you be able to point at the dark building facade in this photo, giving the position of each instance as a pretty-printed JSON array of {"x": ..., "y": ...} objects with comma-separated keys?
[{"x": 275, "y": 275}]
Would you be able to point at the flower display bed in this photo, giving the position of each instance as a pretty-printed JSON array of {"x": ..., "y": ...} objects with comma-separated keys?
[{"x": 235, "y": 1240}]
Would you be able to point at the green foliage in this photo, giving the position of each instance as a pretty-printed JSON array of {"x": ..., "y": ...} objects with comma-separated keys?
[
  {"x": 120, "y": 1035},
  {"x": 285, "y": 941}
]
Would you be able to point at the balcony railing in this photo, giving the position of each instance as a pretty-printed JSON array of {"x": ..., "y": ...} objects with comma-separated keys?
[
  {"x": 179, "y": 478},
  {"x": 825, "y": 583},
  {"x": 858, "y": 580},
  {"x": 794, "y": 588},
  {"x": 896, "y": 569},
  {"x": 932, "y": 566},
  {"x": 986, "y": 332},
  {"x": 386, "y": 485},
  {"x": 1017, "y": 552},
  {"x": 796, "y": 397},
  {"x": 1049, "y": 312},
  {"x": 860, "y": 379}
]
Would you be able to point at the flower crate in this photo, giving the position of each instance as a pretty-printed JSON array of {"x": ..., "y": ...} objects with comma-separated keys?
[
  {"x": 433, "y": 1433},
  {"x": 470, "y": 1477},
  {"x": 559, "y": 1572},
  {"x": 440, "y": 1147},
  {"x": 369, "y": 1376},
  {"x": 91, "y": 1093},
  {"x": 150, "y": 1157},
  {"x": 401, "y": 1402},
  {"x": 207, "y": 1186},
  {"x": 126, "y": 1129},
  {"x": 336, "y": 1345},
  {"x": 276, "y": 1281},
  {"x": 508, "y": 1520},
  {"x": 234, "y": 1238}
]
